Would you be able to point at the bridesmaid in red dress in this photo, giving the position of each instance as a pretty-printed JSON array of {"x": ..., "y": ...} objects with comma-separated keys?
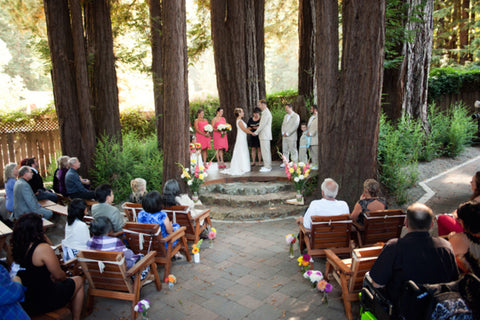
[
  {"x": 202, "y": 137},
  {"x": 219, "y": 143}
]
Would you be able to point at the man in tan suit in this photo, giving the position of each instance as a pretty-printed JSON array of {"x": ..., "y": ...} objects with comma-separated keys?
[
  {"x": 313, "y": 133},
  {"x": 264, "y": 133},
  {"x": 289, "y": 134}
]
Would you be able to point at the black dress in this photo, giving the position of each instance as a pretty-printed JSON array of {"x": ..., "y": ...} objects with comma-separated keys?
[{"x": 253, "y": 141}]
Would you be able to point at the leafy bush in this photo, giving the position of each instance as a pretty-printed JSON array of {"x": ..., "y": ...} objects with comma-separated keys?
[
  {"x": 140, "y": 123},
  {"x": 450, "y": 80},
  {"x": 461, "y": 130},
  {"x": 209, "y": 105},
  {"x": 118, "y": 165}
]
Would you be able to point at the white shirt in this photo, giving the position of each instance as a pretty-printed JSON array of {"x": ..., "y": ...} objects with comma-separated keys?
[
  {"x": 324, "y": 207},
  {"x": 76, "y": 235}
]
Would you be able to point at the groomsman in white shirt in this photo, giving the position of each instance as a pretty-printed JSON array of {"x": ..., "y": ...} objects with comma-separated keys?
[
  {"x": 312, "y": 132},
  {"x": 289, "y": 134}
]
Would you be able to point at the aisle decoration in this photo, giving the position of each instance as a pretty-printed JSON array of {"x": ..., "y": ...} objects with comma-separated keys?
[
  {"x": 212, "y": 235},
  {"x": 194, "y": 176},
  {"x": 290, "y": 239},
  {"x": 306, "y": 262},
  {"x": 324, "y": 287},
  {"x": 298, "y": 174},
  {"x": 196, "y": 251},
  {"x": 314, "y": 276},
  {"x": 171, "y": 280},
  {"x": 224, "y": 128},
  {"x": 142, "y": 306}
]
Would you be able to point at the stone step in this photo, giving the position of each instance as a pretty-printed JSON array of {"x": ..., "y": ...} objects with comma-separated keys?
[
  {"x": 248, "y": 188},
  {"x": 256, "y": 213},
  {"x": 246, "y": 201}
]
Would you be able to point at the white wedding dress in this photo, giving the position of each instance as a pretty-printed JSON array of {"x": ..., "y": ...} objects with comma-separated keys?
[{"x": 240, "y": 163}]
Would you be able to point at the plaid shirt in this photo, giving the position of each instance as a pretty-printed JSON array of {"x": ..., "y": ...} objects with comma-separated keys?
[
  {"x": 106, "y": 243},
  {"x": 11, "y": 294}
]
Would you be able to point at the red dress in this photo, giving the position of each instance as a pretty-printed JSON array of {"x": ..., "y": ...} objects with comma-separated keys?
[
  {"x": 219, "y": 142},
  {"x": 204, "y": 141}
]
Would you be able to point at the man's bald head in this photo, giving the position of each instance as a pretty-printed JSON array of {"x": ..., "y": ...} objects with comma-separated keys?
[{"x": 419, "y": 217}]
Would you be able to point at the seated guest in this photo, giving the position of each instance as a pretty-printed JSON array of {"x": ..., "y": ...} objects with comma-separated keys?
[
  {"x": 76, "y": 231},
  {"x": 11, "y": 174},
  {"x": 60, "y": 174},
  {"x": 11, "y": 294},
  {"x": 24, "y": 199},
  {"x": 369, "y": 201},
  {"x": 100, "y": 227},
  {"x": 466, "y": 245},
  {"x": 139, "y": 189},
  {"x": 74, "y": 184},
  {"x": 448, "y": 222},
  {"x": 104, "y": 195},
  {"x": 417, "y": 256},
  {"x": 327, "y": 206},
  {"x": 37, "y": 182},
  {"x": 172, "y": 196},
  {"x": 152, "y": 213},
  {"x": 48, "y": 287}
]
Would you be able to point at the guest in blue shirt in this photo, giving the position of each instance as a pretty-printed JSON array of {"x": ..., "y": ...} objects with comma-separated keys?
[
  {"x": 11, "y": 294},
  {"x": 74, "y": 184},
  {"x": 11, "y": 174}
]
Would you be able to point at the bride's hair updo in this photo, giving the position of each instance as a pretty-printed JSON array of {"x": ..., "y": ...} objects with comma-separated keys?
[{"x": 237, "y": 111}]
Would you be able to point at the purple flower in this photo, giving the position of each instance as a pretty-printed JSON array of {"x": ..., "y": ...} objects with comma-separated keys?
[
  {"x": 328, "y": 288},
  {"x": 309, "y": 272}
]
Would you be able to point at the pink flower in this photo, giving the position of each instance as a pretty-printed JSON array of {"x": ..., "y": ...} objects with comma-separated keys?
[
  {"x": 211, "y": 235},
  {"x": 306, "y": 257}
]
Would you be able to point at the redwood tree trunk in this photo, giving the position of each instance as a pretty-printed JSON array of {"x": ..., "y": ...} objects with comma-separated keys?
[
  {"x": 175, "y": 94},
  {"x": 349, "y": 124},
  {"x": 306, "y": 54},
  {"x": 260, "y": 45},
  {"x": 103, "y": 77},
  {"x": 156, "y": 38}
]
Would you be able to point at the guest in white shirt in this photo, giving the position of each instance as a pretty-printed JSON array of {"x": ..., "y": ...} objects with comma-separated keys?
[
  {"x": 327, "y": 206},
  {"x": 76, "y": 231}
]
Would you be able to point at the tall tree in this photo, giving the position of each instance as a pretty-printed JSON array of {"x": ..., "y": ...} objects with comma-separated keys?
[
  {"x": 156, "y": 39},
  {"x": 349, "y": 104},
  {"x": 175, "y": 87},
  {"x": 306, "y": 56},
  {"x": 260, "y": 46},
  {"x": 103, "y": 76}
]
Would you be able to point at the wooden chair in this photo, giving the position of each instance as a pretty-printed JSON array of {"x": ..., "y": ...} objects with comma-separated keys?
[
  {"x": 329, "y": 232},
  {"x": 107, "y": 275},
  {"x": 63, "y": 313},
  {"x": 349, "y": 273},
  {"x": 380, "y": 226},
  {"x": 145, "y": 237},
  {"x": 131, "y": 210},
  {"x": 193, "y": 226}
]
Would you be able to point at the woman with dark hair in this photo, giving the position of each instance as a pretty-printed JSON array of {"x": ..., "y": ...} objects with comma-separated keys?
[
  {"x": 220, "y": 143},
  {"x": 201, "y": 135},
  {"x": 466, "y": 245},
  {"x": 173, "y": 197},
  {"x": 76, "y": 231},
  {"x": 369, "y": 201},
  {"x": 253, "y": 141},
  {"x": 152, "y": 213},
  {"x": 48, "y": 287},
  {"x": 448, "y": 222}
]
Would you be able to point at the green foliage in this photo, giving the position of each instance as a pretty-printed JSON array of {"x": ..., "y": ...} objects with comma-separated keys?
[
  {"x": 138, "y": 123},
  {"x": 460, "y": 131},
  {"x": 208, "y": 105},
  {"x": 118, "y": 165},
  {"x": 20, "y": 117},
  {"x": 449, "y": 80},
  {"x": 199, "y": 37}
]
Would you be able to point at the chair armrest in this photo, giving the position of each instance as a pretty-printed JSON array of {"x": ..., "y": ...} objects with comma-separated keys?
[
  {"x": 144, "y": 262},
  {"x": 304, "y": 230},
  {"x": 174, "y": 235},
  {"x": 203, "y": 215},
  {"x": 337, "y": 263}
]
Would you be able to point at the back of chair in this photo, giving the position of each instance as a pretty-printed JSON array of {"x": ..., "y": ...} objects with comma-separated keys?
[
  {"x": 362, "y": 261},
  {"x": 331, "y": 232},
  {"x": 105, "y": 270},
  {"x": 180, "y": 215},
  {"x": 383, "y": 225},
  {"x": 132, "y": 209},
  {"x": 144, "y": 237}
]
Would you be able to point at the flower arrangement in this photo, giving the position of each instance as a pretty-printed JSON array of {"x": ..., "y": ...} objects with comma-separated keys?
[
  {"x": 296, "y": 172},
  {"x": 208, "y": 128},
  {"x": 290, "y": 239},
  {"x": 196, "y": 246},
  {"x": 314, "y": 276},
  {"x": 224, "y": 128},
  {"x": 171, "y": 280},
  {"x": 197, "y": 176},
  {"x": 142, "y": 306},
  {"x": 212, "y": 235},
  {"x": 324, "y": 287},
  {"x": 306, "y": 262}
]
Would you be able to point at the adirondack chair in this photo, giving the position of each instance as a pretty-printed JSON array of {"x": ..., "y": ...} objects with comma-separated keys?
[
  {"x": 131, "y": 210},
  {"x": 193, "y": 226},
  {"x": 380, "y": 226},
  {"x": 108, "y": 276},
  {"x": 329, "y": 232},
  {"x": 145, "y": 237},
  {"x": 349, "y": 273}
]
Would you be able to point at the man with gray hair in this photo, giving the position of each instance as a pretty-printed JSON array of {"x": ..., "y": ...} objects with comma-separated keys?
[
  {"x": 74, "y": 184},
  {"x": 24, "y": 200},
  {"x": 327, "y": 206}
]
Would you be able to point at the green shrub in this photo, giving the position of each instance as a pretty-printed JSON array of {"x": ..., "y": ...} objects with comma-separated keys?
[
  {"x": 140, "y": 123},
  {"x": 461, "y": 130},
  {"x": 448, "y": 80},
  {"x": 118, "y": 165},
  {"x": 209, "y": 106}
]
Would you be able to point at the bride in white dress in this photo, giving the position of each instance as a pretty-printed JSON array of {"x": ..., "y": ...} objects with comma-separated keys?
[{"x": 240, "y": 163}]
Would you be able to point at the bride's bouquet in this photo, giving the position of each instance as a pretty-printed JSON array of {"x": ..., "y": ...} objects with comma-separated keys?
[{"x": 224, "y": 128}]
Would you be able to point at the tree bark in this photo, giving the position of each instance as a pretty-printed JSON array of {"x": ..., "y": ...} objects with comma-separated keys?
[
  {"x": 175, "y": 94},
  {"x": 103, "y": 77},
  {"x": 260, "y": 45},
  {"x": 349, "y": 117},
  {"x": 306, "y": 56},
  {"x": 251, "y": 57},
  {"x": 156, "y": 38}
]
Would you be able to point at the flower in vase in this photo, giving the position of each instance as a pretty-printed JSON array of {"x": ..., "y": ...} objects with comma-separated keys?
[{"x": 195, "y": 250}]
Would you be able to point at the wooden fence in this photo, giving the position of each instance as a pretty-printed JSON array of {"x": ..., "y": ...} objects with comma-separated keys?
[{"x": 39, "y": 139}]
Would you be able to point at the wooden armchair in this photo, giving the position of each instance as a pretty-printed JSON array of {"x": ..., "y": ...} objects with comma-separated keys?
[
  {"x": 380, "y": 226},
  {"x": 131, "y": 210},
  {"x": 193, "y": 226},
  {"x": 107, "y": 275},
  {"x": 349, "y": 273},
  {"x": 145, "y": 237},
  {"x": 329, "y": 232}
]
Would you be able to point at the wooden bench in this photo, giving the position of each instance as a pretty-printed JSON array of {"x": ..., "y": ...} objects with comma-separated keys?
[
  {"x": 193, "y": 225},
  {"x": 380, "y": 226}
]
